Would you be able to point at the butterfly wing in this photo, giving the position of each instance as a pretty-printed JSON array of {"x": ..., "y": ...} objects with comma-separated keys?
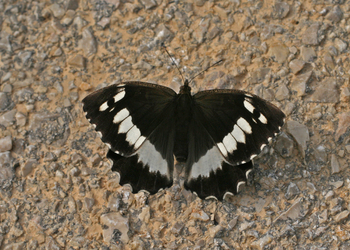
[
  {"x": 136, "y": 121},
  {"x": 229, "y": 128}
]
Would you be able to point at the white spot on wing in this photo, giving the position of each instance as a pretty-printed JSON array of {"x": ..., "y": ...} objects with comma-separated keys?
[
  {"x": 104, "y": 106},
  {"x": 99, "y": 134},
  {"x": 227, "y": 194},
  {"x": 252, "y": 156},
  {"x": 248, "y": 172},
  {"x": 239, "y": 185},
  {"x": 119, "y": 96},
  {"x": 121, "y": 115},
  {"x": 148, "y": 155},
  {"x": 211, "y": 197},
  {"x": 108, "y": 145},
  {"x": 211, "y": 161},
  {"x": 248, "y": 106},
  {"x": 230, "y": 143},
  {"x": 244, "y": 125},
  {"x": 262, "y": 118},
  {"x": 222, "y": 149},
  {"x": 238, "y": 134},
  {"x": 133, "y": 134},
  {"x": 262, "y": 146},
  {"x": 139, "y": 142},
  {"x": 125, "y": 125}
]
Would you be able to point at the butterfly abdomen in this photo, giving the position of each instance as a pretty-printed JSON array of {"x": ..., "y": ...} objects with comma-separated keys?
[{"x": 183, "y": 116}]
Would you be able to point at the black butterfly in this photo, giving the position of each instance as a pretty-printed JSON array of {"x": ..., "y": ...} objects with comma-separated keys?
[{"x": 216, "y": 133}]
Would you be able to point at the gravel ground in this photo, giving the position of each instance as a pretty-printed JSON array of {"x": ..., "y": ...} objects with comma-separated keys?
[{"x": 57, "y": 189}]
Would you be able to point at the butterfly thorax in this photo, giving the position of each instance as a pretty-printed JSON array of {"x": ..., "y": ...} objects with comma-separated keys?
[
  {"x": 183, "y": 116},
  {"x": 185, "y": 89}
]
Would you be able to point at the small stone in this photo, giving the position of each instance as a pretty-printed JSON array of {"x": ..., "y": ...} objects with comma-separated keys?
[
  {"x": 320, "y": 154},
  {"x": 262, "y": 242},
  {"x": 89, "y": 203},
  {"x": 6, "y": 77},
  {"x": 142, "y": 65},
  {"x": 284, "y": 145},
  {"x": 296, "y": 65},
  {"x": 57, "y": 11},
  {"x": 77, "y": 61},
  {"x": 323, "y": 216},
  {"x": 115, "y": 228},
  {"x": 327, "y": 91},
  {"x": 201, "y": 31},
  {"x": 5, "y": 41},
  {"x": 57, "y": 52},
  {"x": 297, "y": 210},
  {"x": 335, "y": 15},
  {"x": 300, "y": 133},
  {"x": 340, "y": 45},
  {"x": 341, "y": 216},
  {"x": 310, "y": 36},
  {"x": 200, "y": 215},
  {"x": 337, "y": 184},
  {"x": 281, "y": 10},
  {"x": 176, "y": 229},
  {"x": 113, "y": 2},
  {"x": 28, "y": 167},
  {"x": 85, "y": 86},
  {"x": 145, "y": 214},
  {"x": 72, "y": 4},
  {"x": 214, "y": 32},
  {"x": 8, "y": 118},
  {"x": 104, "y": 22},
  {"x": 6, "y": 143},
  {"x": 282, "y": 92},
  {"x": 88, "y": 43},
  {"x": 308, "y": 54},
  {"x": 4, "y": 101},
  {"x": 292, "y": 191},
  {"x": 343, "y": 124},
  {"x": 328, "y": 60},
  {"x": 233, "y": 223},
  {"x": 279, "y": 52},
  {"x": 335, "y": 164},
  {"x": 149, "y": 4},
  {"x": 300, "y": 82}
]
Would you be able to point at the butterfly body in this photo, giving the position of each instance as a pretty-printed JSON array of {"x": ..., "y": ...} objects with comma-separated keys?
[{"x": 215, "y": 133}]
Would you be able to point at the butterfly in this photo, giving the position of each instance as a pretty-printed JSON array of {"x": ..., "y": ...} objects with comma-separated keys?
[{"x": 215, "y": 133}]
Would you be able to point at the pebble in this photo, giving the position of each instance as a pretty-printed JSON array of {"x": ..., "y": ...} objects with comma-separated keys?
[
  {"x": 4, "y": 101},
  {"x": 5, "y": 144},
  {"x": 335, "y": 164},
  {"x": 292, "y": 191},
  {"x": 335, "y": 15},
  {"x": 284, "y": 145},
  {"x": 77, "y": 61},
  {"x": 300, "y": 134},
  {"x": 340, "y": 45},
  {"x": 326, "y": 91},
  {"x": 199, "y": 215},
  {"x": 28, "y": 167},
  {"x": 88, "y": 43},
  {"x": 310, "y": 36},
  {"x": 296, "y": 65},
  {"x": 262, "y": 242},
  {"x": 341, "y": 216},
  {"x": 308, "y": 54},
  {"x": 279, "y": 53},
  {"x": 343, "y": 125},
  {"x": 8, "y": 118},
  {"x": 57, "y": 11},
  {"x": 299, "y": 84},
  {"x": 115, "y": 228}
]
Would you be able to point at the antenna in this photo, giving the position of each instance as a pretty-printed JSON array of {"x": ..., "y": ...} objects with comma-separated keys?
[
  {"x": 172, "y": 59},
  {"x": 210, "y": 66}
]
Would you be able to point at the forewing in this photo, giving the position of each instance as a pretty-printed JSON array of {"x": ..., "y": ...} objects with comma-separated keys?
[
  {"x": 232, "y": 128},
  {"x": 136, "y": 121}
]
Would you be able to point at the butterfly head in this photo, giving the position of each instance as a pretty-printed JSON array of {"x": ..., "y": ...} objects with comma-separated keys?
[{"x": 185, "y": 89}]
